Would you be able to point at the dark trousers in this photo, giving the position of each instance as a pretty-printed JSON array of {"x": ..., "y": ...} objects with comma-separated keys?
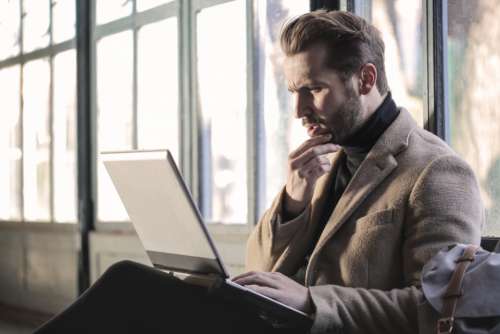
[{"x": 133, "y": 298}]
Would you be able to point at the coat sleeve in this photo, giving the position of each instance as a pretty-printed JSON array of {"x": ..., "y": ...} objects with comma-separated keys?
[
  {"x": 443, "y": 208},
  {"x": 271, "y": 236}
]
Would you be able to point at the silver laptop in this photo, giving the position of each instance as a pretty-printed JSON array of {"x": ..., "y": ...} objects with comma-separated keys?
[{"x": 172, "y": 230}]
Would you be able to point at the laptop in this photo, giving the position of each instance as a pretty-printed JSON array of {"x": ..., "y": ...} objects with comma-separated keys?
[{"x": 174, "y": 235}]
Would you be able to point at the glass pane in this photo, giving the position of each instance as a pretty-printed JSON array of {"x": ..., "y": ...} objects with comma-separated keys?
[
  {"x": 114, "y": 103},
  {"x": 36, "y": 21},
  {"x": 221, "y": 67},
  {"x": 474, "y": 99},
  {"x": 64, "y": 129},
  {"x": 147, "y": 4},
  {"x": 109, "y": 10},
  {"x": 158, "y": 121},
  {"x": 10, "y": 150},
  {"x": 9, "y": 28},
  {"x": 36, "y": 141},
  {"x": 283, "y": 132},
  {"x": 63, "y": 20},
  {"x": 402, "y": 26}
]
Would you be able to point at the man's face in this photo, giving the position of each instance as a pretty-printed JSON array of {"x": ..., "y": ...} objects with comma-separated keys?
[{"x": 323, "y": 102}]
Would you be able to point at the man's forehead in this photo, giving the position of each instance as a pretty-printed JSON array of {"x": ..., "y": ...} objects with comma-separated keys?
[{"x": 307, "y": 66}]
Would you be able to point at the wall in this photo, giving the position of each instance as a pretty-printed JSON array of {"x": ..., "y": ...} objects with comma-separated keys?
[{"x": 40, "y": 261}]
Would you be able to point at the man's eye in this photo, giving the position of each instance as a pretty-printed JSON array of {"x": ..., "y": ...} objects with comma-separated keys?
[{"x": 315, "y": 89}]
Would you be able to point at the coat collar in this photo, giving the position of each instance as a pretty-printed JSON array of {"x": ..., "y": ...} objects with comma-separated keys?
[{"x": 378, "y": 164}]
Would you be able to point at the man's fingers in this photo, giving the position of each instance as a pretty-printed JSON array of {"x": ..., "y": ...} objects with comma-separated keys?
[
  {"x": 317, "y": 140},
  {"x": 257, "y": 278},
  {"x": 314, "y": 170},
  {"x": 314, "y": 153},
  {"x": 248, "y": 273}
]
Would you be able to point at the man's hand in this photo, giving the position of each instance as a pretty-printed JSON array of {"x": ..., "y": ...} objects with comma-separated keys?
[
  {"x": 305, "y": 165},
  {"x": 279, "y": 287}
]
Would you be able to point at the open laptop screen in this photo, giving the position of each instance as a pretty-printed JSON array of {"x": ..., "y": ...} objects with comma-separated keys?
[{"x": 161, "y": 209}]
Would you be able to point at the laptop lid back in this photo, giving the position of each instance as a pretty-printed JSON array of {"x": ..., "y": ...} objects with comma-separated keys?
[{"x": 162, "y": 211}]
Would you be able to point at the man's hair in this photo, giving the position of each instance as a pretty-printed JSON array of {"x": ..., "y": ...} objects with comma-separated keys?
[{"x": 350, "y": 40}]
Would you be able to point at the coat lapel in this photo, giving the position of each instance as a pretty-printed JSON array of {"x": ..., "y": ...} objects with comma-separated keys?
[
  {"x": 370, "y": 174},
  {"x": 378, "y": 164}
]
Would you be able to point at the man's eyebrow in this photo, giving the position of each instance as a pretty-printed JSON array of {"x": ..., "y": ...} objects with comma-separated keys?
[{"x": 306, "y": 84}]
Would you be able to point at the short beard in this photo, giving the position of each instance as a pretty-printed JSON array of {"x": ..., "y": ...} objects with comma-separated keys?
[{"x": 348, "y": 117}]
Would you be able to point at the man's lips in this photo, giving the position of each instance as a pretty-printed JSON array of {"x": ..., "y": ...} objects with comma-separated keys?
[{"x": 314, "y": 129}]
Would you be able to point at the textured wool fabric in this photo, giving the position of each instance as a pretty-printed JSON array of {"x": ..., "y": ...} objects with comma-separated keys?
[{"x": 410, "y": 197}]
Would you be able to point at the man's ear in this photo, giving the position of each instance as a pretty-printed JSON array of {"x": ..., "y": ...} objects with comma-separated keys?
[{"x": 367, "y": 78}]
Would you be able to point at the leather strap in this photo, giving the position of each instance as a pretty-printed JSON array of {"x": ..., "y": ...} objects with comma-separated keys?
[{"x": 454, "y": 290}]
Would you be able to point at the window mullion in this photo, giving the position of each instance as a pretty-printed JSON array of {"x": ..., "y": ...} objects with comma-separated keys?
[
  {"x": 185, "y": 95},
  {"x": 437, "y": 31},
  {"x": 326, "y": 4},
  {"x": 51, "y": 116},
  {"x": 135, "y": 130},
  {"x": 255, "y": 166},
  {"x": 21, "y": 113},
  {"x": 85, "y": 136}
]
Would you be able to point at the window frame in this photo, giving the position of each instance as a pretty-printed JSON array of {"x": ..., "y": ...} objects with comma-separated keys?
[
  {"x": 87, "y": 33},
  {"x": 252, "y": 124},
  {"x": 48, "y": 52},
  {"x": 189, "y": 114},
  {"x": 133, "y": 22},
  {"x": 436, "y": 112}
]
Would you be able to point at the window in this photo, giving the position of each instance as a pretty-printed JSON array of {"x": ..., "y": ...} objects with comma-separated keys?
[
  {"x": 473, "y": 63},
  {"x": 402, "y": 25},
  {"x": 10, "y": 16},
  {"x": 136, "y": 85},
  {"x": 139, "y": 95},
  {"x": 36, "y": 141},
  {"x": 10, "y": 144},
  {"x": 222, "y": 94},
  {"x": 64, "y": 140},
  {"x": 281, "y": 132},
  {"x": 170, "y": 74},
  {"x": 37, "y": 78},
  {"x": 158, "y": 121}
]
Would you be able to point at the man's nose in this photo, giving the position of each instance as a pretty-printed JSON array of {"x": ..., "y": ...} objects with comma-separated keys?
[{"x": 301, "y": 107}]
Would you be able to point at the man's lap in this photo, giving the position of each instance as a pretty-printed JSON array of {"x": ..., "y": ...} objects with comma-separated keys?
[{"x": 133, "y": 298}]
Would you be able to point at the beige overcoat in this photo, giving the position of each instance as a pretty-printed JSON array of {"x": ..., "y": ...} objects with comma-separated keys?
[{"x": 410, "y": 197}]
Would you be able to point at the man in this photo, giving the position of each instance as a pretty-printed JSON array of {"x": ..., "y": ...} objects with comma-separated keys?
[
  {"x": 354, "y": 230},
  {"x": 369, "y": 198}
]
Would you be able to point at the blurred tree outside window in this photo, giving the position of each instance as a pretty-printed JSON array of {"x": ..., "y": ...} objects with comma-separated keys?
[
  {"x": 402, "y": 25},
  {"x": 474, "y": 99}
]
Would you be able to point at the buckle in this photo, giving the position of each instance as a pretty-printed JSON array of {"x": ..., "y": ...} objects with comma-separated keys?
[{"x": 445, "y": 325}]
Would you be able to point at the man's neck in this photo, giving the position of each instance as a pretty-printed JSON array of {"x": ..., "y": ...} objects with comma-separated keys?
[
  {"x": 373, "y": 101},
  {"x": 380, "y": 119}
]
